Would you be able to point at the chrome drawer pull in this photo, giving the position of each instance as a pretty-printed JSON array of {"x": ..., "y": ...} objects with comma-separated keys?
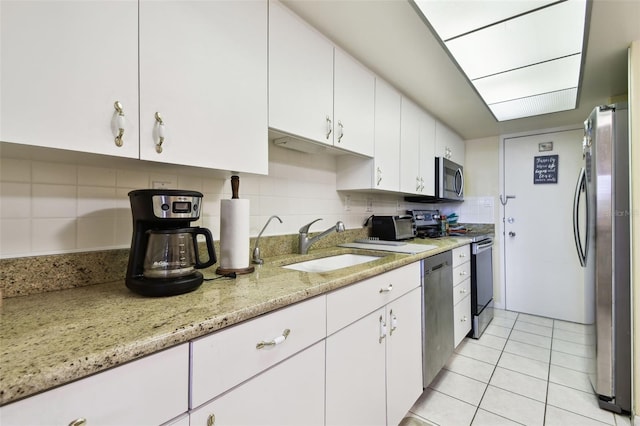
[
  {"x": 78, "y": 422},
  {"x": 387, "y": 290},
  {"x": 275, "y": 341}
]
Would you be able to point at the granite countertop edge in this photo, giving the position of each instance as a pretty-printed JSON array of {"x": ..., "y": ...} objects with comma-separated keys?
[{"x": 48, "y": 340}]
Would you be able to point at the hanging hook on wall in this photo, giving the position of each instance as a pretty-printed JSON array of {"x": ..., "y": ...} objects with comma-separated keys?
[{"x": 506, "y": 200}]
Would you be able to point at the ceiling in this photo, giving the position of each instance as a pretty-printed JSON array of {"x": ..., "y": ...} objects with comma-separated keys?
[{"x": 391, "y": 39}]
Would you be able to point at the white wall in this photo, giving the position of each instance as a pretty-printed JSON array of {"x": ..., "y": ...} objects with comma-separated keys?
[{"x": 49, "y": 207}]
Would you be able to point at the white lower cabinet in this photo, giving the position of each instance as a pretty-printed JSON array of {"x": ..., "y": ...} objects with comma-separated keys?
[
  {"x": 374, "y": 365},
  {"x": 225, "y": 359},
  {"x": 149, "y": 391},
  {"x": 461, "y": 293},
  {"x": 291, "y": 393}
]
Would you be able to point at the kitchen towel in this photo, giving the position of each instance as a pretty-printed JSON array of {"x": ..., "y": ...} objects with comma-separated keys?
[{"x": 234, "y": 234}]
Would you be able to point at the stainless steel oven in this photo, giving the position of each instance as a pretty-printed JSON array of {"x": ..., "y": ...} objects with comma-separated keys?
[{"x": 481, "y": 285}]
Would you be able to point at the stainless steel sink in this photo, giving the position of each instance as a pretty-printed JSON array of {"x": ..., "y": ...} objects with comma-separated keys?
[{"x": 331, "y": 263}]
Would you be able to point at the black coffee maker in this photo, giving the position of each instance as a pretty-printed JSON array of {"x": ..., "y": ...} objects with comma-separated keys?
[{"x": 164, "y": 252}]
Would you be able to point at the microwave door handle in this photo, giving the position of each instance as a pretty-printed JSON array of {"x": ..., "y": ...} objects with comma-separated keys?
[
  {"x": 459, "y": 191},
  {"x": 580, "y": 186}
]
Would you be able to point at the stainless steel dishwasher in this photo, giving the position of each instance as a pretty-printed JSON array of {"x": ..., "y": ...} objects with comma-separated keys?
[{"x": 437, "y": 314}]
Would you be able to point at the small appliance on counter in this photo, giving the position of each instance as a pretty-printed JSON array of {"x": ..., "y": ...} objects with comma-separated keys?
[
  {"x": 393, "y": 228},
  {"x": 164, "y": 250},
  {"x": 428, "y": 223}
]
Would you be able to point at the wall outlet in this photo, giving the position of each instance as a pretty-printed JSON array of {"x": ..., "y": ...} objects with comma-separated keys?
[
  {"x": 347, "y": 203},
  {"x": 399, "y": 206},
  {"x": 158, "y": 184},
  {"x": 369, "y": 208}
]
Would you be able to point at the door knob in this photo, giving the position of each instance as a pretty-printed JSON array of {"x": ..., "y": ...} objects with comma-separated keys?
[{"x": 512, "y": 234}]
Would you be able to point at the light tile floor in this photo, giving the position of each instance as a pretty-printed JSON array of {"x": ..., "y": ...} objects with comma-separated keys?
[{"x": 524, "y": 370}]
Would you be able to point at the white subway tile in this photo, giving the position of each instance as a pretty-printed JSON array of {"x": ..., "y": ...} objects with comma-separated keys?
[
  {"x": 54, "y": 173},
  {"x": 132, "y": 179},
  {"x": 53, "y": 235},
  {"x": 96, "y": 176},
  {"x": 15, "y": 237},
  {"x": 16, "y": 200},
  {"x": 191, "y": 183},
  {"x": 96, "y": 201},
  {"x": 53, "y": 201},
  {"x": 96, "y": 232},
  {"x": 14, "y": 170}
]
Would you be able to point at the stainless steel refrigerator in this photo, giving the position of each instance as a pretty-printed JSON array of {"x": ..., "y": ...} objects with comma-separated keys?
[{"x": 602, "y": 234}]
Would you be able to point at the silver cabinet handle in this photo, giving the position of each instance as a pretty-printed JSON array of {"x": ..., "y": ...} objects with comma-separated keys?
[
  {"x": 417, "y": 183},
  {"x": 463, "y": 319},
  {"x": 119, "y": 122},
  {"x": 329, "y": 129},
  {"x": 211, "y": 420},
  {"x": 78, "y": 422},
  {"x": 383, "y": 330},
  {"x": 463, "y": 273},
  {"x": 161, "y": 134},
  {"x": 387, "y": 290},
  {"x": 341, "y": 131},
  {"x": 463, "y": 291},
  {"x": 393, "y": 320},
  {"x": 512, "y": 234},
  {"x": 275, "y": 341},
  {"x": 378, "y": 176}
]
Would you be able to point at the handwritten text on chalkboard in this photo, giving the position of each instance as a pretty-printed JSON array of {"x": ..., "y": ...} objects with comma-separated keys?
[{"x": 545, "y": 169}]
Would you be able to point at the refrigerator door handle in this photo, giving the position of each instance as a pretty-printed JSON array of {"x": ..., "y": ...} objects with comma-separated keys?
[{"x": 581, "y": 186}]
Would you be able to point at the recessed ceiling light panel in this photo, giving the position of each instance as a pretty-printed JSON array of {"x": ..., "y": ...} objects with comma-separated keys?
[
  {"x": 517, "y": 54},
  {"x": 546, "y": 103},
  {"x": 546, "y": 34}
]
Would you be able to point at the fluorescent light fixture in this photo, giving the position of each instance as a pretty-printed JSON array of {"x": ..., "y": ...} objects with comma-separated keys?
[{"x": 518, "y": 54}]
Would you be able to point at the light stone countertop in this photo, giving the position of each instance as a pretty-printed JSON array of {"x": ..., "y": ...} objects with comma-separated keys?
[{"x": 53, "y": 338}]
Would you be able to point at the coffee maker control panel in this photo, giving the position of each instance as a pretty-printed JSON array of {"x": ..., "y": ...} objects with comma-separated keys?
[{"x": 176, "y": 207}]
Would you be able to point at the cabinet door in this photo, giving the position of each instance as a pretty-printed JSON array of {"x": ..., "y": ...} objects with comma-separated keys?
[
  {"x": 300, "y": 77},
  {"x": 230, "y": 356},
  {"x": 387, "y": 137},
  {"x": 149, "y": 391},
  {"x": 355, "y": 376},
  {"x": 354, "y": 99},
  {"x": 449, "y": 144},
  {"x": 427, "y": 150},
  {"x": 203, "y": 68},
  {"x": 64, "y": 65},
  {"x": 404, "y": 355},
  {"x": 291, "y": 393},
  {"x": 461, "y": 320},
  {"x": 410, "y": 148}
]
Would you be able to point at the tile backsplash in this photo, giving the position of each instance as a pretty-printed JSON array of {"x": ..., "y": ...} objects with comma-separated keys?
[{"x": 56, "y": 207}]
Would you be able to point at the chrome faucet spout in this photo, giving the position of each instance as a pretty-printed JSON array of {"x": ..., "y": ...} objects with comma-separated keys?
[
  {"x": 256, "y": 249},
  {"x": 305, "y": 242}
]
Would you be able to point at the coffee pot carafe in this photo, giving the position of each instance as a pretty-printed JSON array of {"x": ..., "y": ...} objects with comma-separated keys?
[
  {"x": 174, "y": 253},
  {"x": 164, "y": 255}
]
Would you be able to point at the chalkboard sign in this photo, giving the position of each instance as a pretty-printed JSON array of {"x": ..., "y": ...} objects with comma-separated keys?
[{"x": 545, "y": 169}]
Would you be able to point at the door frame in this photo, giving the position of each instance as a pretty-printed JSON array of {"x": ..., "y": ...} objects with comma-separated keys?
[{"x": 500, "y": 228}]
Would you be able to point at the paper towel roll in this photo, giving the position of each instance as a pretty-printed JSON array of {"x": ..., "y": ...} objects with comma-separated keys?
[{"x": 234, "y": 234}]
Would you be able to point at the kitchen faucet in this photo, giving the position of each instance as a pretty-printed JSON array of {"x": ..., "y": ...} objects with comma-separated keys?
[
  {"x": 305, "y": 242},
  {"x": 256, "y": 249}
]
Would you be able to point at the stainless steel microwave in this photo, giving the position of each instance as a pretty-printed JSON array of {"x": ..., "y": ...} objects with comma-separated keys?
[{"x": 449, "y": 183}]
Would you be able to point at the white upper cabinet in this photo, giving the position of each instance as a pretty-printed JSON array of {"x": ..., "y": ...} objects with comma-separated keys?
[
  {"x": 300, "y": 77},
  {"x": 306, "y": 83},
  {"x": 417, "y": 163},
  {"x": 203, "y": 68},
  {"x": 448, "y": 144},
  {"x": 387, "y": 137},
  {"x": 64, "y": 65},
  {"x": 354, "y": 98}
]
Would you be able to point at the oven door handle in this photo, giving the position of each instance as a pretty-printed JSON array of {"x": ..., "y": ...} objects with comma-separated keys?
[{"x": 480, "y": 247}]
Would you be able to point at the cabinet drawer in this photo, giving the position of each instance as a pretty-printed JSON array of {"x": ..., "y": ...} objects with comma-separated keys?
[
  {"x": 461, "y": 291},
  {"x": 461, "y": 320},
  {"x": 461, "y": 255},
  {"x": 226, "y": 358},
  {"x": 151, "y": 390},
  {"x": 351, "y": 303},
  {"x": 461, "y": 273},
  {"x": 291, "y": 393}
]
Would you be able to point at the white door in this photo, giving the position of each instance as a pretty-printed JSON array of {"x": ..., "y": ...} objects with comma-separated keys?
[{"x": 542, "y": 271}]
